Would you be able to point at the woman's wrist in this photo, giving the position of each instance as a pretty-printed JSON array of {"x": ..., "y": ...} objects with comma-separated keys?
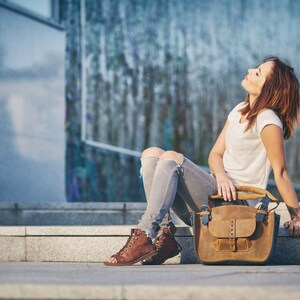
[
  {"x": 294, "y": 212},
  {"x": 219, "y": 173}
]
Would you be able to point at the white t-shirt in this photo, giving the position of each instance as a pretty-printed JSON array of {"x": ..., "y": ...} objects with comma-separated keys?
[{"x": 245, "y": 159}]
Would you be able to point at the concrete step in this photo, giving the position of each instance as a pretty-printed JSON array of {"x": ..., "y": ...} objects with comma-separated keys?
[
  {"x": 96, "y": 243},
  {"x": 73, "y": 214},
  {"x": 61, "y": 213}
]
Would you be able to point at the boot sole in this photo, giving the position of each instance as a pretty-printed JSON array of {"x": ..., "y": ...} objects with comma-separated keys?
[{"x": 144, "y": 257}]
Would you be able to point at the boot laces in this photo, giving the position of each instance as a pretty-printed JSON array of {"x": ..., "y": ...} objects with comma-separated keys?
[
  {"x": 130, "y": 240},
  {"x": 160, "y": 239}
]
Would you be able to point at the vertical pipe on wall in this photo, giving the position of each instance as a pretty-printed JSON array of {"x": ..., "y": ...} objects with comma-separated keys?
[{"x": 83, "y": 72}]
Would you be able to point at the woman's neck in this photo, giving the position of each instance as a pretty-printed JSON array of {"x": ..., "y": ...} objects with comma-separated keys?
[{"x": 252, "y": 99}]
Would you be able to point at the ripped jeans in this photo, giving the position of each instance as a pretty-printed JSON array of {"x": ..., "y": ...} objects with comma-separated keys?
[{"x": 184, "y": 188}]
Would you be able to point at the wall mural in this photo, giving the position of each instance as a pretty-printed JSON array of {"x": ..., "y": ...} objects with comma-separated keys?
[{"x": 162, "y": 73}]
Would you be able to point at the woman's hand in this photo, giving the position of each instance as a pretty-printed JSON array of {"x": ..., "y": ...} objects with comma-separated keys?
[
  {"x": 226, "y": 187},
  {"x": 293, "y": 226}
]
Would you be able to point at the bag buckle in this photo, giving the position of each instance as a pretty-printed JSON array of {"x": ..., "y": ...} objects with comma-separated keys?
[
  {"x": 205, "y": 215},
  {"x": 262, "y": 211}
]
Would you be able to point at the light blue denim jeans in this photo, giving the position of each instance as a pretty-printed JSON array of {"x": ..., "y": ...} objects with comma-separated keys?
[{"x": 184, "y": 188}]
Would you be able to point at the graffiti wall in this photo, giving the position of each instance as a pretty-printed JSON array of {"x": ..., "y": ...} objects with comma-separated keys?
[{"x": 163, "y": 73}]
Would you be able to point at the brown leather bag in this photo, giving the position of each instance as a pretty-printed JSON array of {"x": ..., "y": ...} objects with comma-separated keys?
[{"x": 236, "y": 234}]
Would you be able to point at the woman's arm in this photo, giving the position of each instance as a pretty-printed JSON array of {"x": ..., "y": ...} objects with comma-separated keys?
[
  {"x": 215, "y": 161},
  {"x": 273, "y": 141}
]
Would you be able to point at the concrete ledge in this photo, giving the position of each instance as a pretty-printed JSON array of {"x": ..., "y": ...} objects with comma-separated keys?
[
  {"x": 12, "y": 231},
  {"x": 73, "y": 214},
  {"x": 111, "y": 213},
  {"x": 97, "y": 243}
]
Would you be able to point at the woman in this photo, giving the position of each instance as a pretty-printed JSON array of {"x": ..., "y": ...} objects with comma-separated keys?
[{"x": 249, "y": 146}]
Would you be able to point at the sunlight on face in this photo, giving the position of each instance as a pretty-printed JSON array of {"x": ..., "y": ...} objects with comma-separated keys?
[{"x": 255, "y": 79}]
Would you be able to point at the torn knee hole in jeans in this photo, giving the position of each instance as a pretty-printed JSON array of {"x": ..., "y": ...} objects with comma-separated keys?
[
  {"x": 142, "y": 159},
  {"x": 179, "y": 167},
  {"x": 179, "y": 163}
]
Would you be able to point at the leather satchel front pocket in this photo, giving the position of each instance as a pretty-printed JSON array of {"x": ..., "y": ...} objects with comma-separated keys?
[{"x": 232, "y": 235}]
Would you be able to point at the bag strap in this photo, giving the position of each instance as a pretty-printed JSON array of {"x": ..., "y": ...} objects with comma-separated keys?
[{"x": 255, "y": 193}]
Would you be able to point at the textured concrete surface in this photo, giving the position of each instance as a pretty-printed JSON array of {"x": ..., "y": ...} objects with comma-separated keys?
[
  {"x": 97, "y": 243},
  {"x": 45, "y": 214},
  {"x": 81, "y": 214},
  {"x": 112, "y": 213},
  {"x": 96, "y": 281},
  {"x": 74, "y": 214},
  {"x": 12, "y": 248},
  {"x": 12, "y": 231}
]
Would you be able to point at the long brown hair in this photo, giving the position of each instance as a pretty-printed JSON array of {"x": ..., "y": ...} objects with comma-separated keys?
[{"x": 280, "y": 93}]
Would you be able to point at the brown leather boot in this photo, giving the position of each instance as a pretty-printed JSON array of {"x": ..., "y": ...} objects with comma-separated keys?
[
  {"x": 167, "y": 246},
  {"x": 137, "y": 248}
]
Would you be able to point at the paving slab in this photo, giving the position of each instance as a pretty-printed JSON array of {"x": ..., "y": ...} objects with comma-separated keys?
[
  {"x": 12, "y": 231},
  {"x": 96, "y": 281},
  {"x": 12, "y": 248}
]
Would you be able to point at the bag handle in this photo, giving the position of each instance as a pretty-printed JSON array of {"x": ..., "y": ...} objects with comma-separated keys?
[{"x": 256, "y": 193}]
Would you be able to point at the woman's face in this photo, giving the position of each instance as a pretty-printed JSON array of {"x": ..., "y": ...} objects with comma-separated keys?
[{"x": 255, "y": 79}]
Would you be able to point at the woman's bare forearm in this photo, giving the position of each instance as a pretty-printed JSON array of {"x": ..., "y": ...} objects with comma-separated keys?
[
  {"x": 224, "y": 184},
  {"x": 288, "y": 194},
  {"x": 215, "y": 162}
]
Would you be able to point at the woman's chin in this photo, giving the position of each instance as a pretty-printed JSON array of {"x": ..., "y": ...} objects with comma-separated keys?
[{"x": 243, "y": 84}]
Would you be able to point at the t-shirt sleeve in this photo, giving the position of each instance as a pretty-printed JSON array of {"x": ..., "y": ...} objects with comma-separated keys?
[
  {"x": 235, "y": 112},
  {"x": 267, "y": 117}
]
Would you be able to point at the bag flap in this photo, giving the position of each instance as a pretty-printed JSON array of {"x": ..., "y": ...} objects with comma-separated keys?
[
  {"x": 226, "y": 229},
  {"x": 228, "y": 212}
]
